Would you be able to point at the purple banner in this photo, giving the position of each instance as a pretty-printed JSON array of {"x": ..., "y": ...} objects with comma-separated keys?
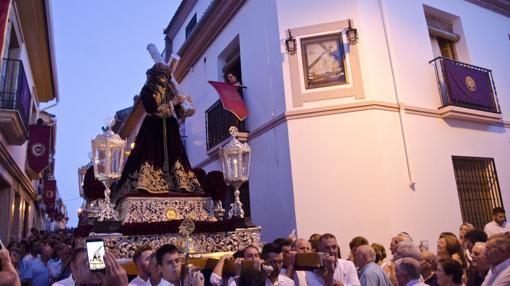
[{"x": 468, "y": 86}]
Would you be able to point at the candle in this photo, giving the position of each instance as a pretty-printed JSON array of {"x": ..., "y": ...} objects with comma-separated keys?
[{"x": 236, "y": 174}]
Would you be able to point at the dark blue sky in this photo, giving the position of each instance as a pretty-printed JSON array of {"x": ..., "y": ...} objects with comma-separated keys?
[{"x": 101, "y": 60}]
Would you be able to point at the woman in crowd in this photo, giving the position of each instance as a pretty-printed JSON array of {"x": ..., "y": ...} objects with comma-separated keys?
[
  {"x": 449, "y": 272},
  {"x": 448, "y": 246}
]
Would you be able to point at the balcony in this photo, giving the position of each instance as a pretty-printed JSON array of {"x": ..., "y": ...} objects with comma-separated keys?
[
  {"x": 218, "y": 121},
  {"x": 467, "y": 91},
  {"x": 15, "y": 100}
]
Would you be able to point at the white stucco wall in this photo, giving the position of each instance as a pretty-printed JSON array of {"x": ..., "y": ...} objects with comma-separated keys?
[
  {"x": 199, "y": 8},
  {"x": 346, "y": 173},
  {"x": 261, "y": 73},
  {"x": 326, "y": 151}
]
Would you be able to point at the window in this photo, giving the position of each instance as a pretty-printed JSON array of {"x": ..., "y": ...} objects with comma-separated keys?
[
  {"x": 478, "y": 188},
  {"x": 442, "y": 36},
  {"x": 447, "y": 48},
  {"x": 191, "y": 25},
  {"x": 218, "y": 120}
]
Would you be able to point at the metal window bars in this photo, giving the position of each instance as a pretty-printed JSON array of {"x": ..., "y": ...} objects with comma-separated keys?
[{"x": 478, "y": 188}]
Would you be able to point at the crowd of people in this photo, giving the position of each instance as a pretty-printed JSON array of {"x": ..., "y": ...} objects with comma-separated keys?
[{"x": 474, "y": 257}]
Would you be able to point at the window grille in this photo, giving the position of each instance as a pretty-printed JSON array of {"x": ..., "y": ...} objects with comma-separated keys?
[{"x": 478, "y": 188}]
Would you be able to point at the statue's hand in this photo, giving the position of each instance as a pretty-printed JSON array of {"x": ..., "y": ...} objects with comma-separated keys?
[{"x": 178, "y": 99}]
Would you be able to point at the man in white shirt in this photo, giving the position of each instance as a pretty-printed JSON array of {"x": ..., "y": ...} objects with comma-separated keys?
[
  {"x": 141, "y": 259},
  {"x": 498, "y": 224},
  {"x": 341, "y": 271},
  {"x": 497, "y": 253},
  {"x": 273, "y": 257},
  {"x": 155, "y": 278}
]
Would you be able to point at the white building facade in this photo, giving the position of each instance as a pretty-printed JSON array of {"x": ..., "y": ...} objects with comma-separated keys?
[
  {"x": 27, "y": 81},
  {"x": 354, "y": 139}
]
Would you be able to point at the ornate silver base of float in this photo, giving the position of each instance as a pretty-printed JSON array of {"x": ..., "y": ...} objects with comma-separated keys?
[
  {"x": 160, "y": 209},
  {"x": 125, "y": 246}
]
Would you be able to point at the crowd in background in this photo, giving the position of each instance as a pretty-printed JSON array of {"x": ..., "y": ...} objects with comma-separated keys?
[{"x": 473, "y": 257}]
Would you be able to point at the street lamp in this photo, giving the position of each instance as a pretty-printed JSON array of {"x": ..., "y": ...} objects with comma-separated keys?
[
  {"x": 290, "y": 44},
  {"x": 352, "y": 34},
  {"x": 235, "y": 162},
  {"x": 107, "y": 157}
]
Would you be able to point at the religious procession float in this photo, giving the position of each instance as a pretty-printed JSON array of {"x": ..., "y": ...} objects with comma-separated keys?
[{"x": 153, "y": 196}]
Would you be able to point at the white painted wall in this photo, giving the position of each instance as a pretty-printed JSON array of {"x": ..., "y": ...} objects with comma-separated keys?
[
  {"x": 199, "y": 8},
  {"x": 333, "y": 147},
  {"x": 259, "y": 52},
  {"x": 346, "y": 173}
]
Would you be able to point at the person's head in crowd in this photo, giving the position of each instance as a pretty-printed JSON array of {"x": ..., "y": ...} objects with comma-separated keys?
[
  {"x": 449, "y": 272},
  {"x": 447, "y": 245},
  {"x": 15, "y": 257},
  {"x": 141, "y": 258},
  {"x": 463, "y": 228},
  {"x": 301, "y": 246},
  {"x": 33, "y": 247},
  {"x": 47, "y": 249},
  {"x": 407, "y": 249},
  {"x": 65, "y": 252},
  {"x": 314, "y": 241},
  {"x": 328, "y": 244},
  {"x": 273, "y": 256},
  {"x": 407, "y": 269},
  {"x": 380, "y": 252},
  {"x": 284, "y": 243},
  {"x": 251, "y": 277},
  {"x": 154, "y": 269},
  {"x": 446, "y": 233},
  {"x": 23, "y": 247},
  {"x": 80, "y": 268},
  {"x": 251, "y": 253},
  {"x": 473, "y": 236},
  {"x": 498, "y": 215},
  {"x": 34, "y": 231},
  {"x": 497, "y": 248},
  {"x": 396, "y": 240},
  {"x": 170, "y": 262},
  {"x": 479, "y": 262},
  {"x": 355, "y": 243},
  {"x": 364, "y": 255},
  {"x": 428, "y": 263}
]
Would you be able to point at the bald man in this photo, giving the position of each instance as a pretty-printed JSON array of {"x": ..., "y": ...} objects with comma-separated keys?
[{"x": 370, "y": 274}]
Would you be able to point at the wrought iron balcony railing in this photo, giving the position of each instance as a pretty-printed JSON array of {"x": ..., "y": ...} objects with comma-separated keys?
[
  {"x": 14, "y": 89},
  {"x": 218, "y": 121},
  {"x": 465, "y": 85}
]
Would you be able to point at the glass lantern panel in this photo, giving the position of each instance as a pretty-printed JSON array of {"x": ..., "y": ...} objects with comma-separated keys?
[
  {"x": 100, "y": 163},
  {"x": 116, "y": 162}
]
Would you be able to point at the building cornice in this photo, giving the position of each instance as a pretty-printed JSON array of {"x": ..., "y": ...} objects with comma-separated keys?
[
  {"x": 210, "y": 25},
  {"x": 14, "y": 170},
  {"x": 179, "y": 17},
  {"x": 458, "y": 113},
  {"x": 35, "y": 19},
  {"x": 499, "y": 6}
]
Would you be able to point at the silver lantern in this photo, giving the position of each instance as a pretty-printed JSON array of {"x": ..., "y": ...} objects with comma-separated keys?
[
  {"x": 235, "y": 162},
  {"x": 107, "y": 157}
]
